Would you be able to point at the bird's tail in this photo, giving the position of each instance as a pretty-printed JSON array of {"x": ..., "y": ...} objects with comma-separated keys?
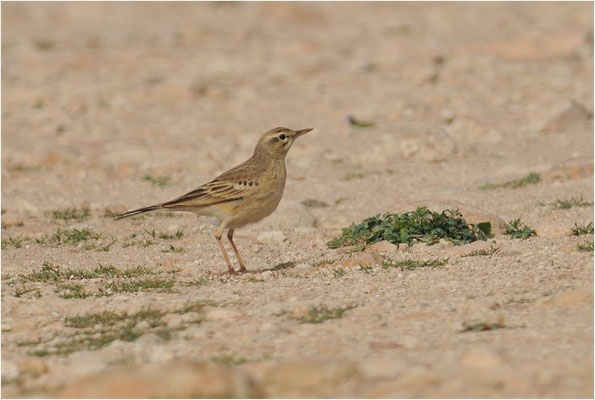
[{"x": 137, "y": 211}]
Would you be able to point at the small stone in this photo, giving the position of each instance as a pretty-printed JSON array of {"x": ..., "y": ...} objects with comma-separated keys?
[
  {"x": 574, "y": 117},
  {"x": 10, "y": 370},
  {"x": 271, "y": 236},
  {"x": 302, "y": 267}
]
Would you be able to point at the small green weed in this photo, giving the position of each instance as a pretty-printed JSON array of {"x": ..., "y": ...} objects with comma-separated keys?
[
  {"x": 366, "y": 268},
  {"x": 15, "y": 242},
  {"x": 20, "y": 291},
  {"x": 157, "y": 181},
  {"x": 338, "y": 273},
  {"x": 359, "y": 123},
  {"x": 163, "y": 285},
  {"x": 420, "y": 225},
  {"x": 530, "y": 179},
  {"x": 69, "y": 236},
  {"x": 313, "y": 203},
  {"x": 572, "y": 202},
  {"x": 93, "y": 331},
  {"x": 517, "y": 230},
  {"x": 482, "y": 326},
  {"x": 173, "y": 249},
  {"x": 318, "y": 314},
  {"x": 78, "y": 214},
  {"x": 409, "y": 264},
  {"x": 228, "y": 359},
  {"x": 164, "y": 235},
  {"x": 585, "y": 246},
  {"x": 585, "y": 229},
  {"x": 326, "y": 261},
  {"x": 72, "y": 291},
  {"x": 492, "y": 250}
]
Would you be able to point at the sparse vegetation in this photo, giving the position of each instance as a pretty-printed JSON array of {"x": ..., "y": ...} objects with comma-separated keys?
[
  {"x": 338, "y": 273},
  {"x": 162, "y": 285},
  {"x": 420, "y": 225},
  {"x": 584, "y": 229},
  {"x": 482, "y": 326},
  {"x": 228, "y": 359},
  {"x": 318, "y": 314},
  {"x": 15, "y": 242},
  {"x": 409, "y": 264},
  {"x": 492, "y": 250},
  {"x": 164, "y": 235},
  {"x": 517, "y": 230},
  {"x": 572, "y": 202},
  {"x": 585, "y": 246},
  {"x": 530, "y": 179},
  {"x": 313, "y": 203},
  {"x": 72, "y": 291},
  {"x": 69, "y": 236},
  {"x": 326, "y": 261},
  {"x": 172, "y": 249},
  {"x": 93, "y": 331},
  {"x": 157, "y": 181},
  {"x": 78, "y": 214}
]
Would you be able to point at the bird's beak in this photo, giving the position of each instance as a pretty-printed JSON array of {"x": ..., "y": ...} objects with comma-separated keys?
[{"x": 301, "y": 132}]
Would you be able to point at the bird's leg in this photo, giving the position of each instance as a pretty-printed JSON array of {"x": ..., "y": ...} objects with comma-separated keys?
[
  {"x": 235, "y": 249},
  {"x": 229, "y": 266}
]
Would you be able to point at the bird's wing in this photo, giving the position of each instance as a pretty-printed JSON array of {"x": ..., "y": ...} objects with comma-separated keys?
[{"x": 214, "y": 192}]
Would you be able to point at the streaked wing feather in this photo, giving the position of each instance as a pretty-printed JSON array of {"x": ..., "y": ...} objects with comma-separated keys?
[{"x": 214, "y": 192}]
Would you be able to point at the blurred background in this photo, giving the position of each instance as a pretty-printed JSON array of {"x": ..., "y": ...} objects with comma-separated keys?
[{"x": 109, "y": 106}]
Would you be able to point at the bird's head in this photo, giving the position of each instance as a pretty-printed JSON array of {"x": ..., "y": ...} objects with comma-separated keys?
[{"x": 277, "y": 142}]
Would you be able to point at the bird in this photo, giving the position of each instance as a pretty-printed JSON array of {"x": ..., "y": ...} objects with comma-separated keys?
[{"x": 244, "y": 195}]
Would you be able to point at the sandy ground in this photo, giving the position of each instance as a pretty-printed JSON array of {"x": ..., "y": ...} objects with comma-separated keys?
[{"x": 96, "y": 97}]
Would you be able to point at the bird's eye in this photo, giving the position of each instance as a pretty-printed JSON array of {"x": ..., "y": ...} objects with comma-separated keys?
[{"x": 282, "y": 136}]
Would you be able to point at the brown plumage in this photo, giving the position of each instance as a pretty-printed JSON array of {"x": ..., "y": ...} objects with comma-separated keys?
[{"x": 243, "y": 195}]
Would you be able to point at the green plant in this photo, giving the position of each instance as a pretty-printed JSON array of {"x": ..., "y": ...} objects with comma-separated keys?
[
  {"x": 572, "y": 202},
  {"x": 318, "y": 314},
  {"x": 78, "y": 214},
  {"x": 69, "y": 236},
  {"x": 157, "y": 181},
  {"x": 72, "y": 291},
  {"x": 585, "y": 246},
  {"x": 488, "y": 252},
  {"x": 530, "y": 179},
  {"x": 585, "y": 229},
  {"x": 517, "y": 230},
  {"x": 420, "y": 225},
  {"x": 327, "y": 261},
  {"x": 338, "y": 273},
  {"x": 409, "y": 264},
  {"x": 482, "y": 326}
]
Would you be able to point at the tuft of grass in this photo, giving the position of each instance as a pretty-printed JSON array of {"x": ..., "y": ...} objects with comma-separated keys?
[
  {"x": 72, "y": 291},
  {"x": 530, "y": 179},
  {"x": 366, "y": 268},
  {"x": 318, "y": 314},
  {"x": 492, "y": 250},
  {"x": 482, "y": 326},
  {"x": 157, "y": 181},
  {"x": 409, "y": 264},
  {"x": 93, "y": 331},
  {"x": 173, "y": 249},
  {"x": 313, "y": 203},
  {"x": 164, "y": 235},
  {"x": 69, "y": 236},
  {"x": 584, "y": 229},
  {"x": 15, "y": 242},
  {"x": 23, "y": 289},
  {"x": 78, "y": 214},
  {"x": 585, "y": 246},
  {"x": 228, "y": 359},
  {"x": 572, "y": 202},
  {"x": 359, "y": 123},
  {"x": 517, "y": 230},
  {"x": 54, "y": 273},
  {"x": 326, "y": 261},
  {"x": 420, "y": 225},
  {"x": 338, "y": 273},
  {"x": 350, "y": 176},
  {"x": 163, "y": 285}
]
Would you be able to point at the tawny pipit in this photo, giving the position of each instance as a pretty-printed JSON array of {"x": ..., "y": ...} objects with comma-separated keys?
[{"x": 243, "y": 195}]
